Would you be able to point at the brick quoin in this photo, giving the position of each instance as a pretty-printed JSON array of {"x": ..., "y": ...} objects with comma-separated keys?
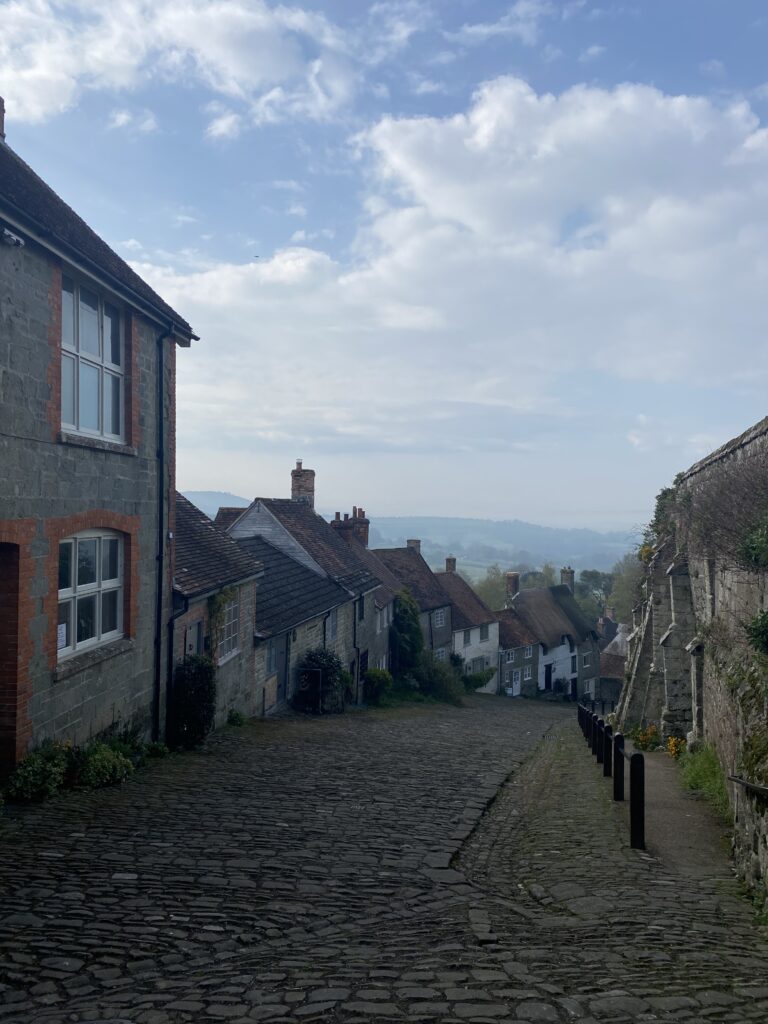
[
  {"x": 53, "y": 375},
  {"x": 92, "y": 519},
  {"x": 16, "y": 647}
]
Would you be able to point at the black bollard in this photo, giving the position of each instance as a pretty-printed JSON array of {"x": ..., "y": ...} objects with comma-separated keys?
[
  {"x": 607, "y": 751},
  {"x": 618, "y": 767},
  {"x": 637, "y": 802}
]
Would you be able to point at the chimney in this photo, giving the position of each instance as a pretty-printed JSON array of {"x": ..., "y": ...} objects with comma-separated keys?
[
  {"x": 415, "y": 544},
  {"x": 568, "y": 578},
  {"x": 513, "y": 587},
  {"x": 450, "y": 564},
  {"x": 355, "y": 526},
  {"x": 303, "y": 484},
  {"x": 2, "y": 119}
]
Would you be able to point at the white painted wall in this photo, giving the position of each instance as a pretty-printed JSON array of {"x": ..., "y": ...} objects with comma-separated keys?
[{"x": 477, "y": 648}]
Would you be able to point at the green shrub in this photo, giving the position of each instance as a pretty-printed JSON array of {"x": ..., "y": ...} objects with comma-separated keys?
[
  {"x": 127, "y": 743},
  {"x": 236, "y": 718},
  {"x": 156, "y": 750},
  {"x": 437, "y": 679},
  {"x": 703, "y": 772},
  {"x": 474, "y": 680},
  {"x": 347, "y": 681},
  {"x": 192, "y": 704},
  {"x": 753, "y": 549},
  {"x": 103, "y": 766},
  {"x": 406, "y": 638},
  {"x": 757, "y": 632},
  {"x": 321, "y": 668},
  {"x": 39, "y": 775},
  {"x": 377, "y": 685}
]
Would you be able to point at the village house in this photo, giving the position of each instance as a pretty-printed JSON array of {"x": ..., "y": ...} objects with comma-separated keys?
[
  {"x": 475, "y": 626},
  {"x": 214, "y": 593},
  {"x": 87, "y": 428}
]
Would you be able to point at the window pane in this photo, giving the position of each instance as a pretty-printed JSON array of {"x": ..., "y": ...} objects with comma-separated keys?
[
  {"x": 109, "y": 612},
  {"x": 111, "y": 404},
  {"x": 68, "y": 390},
  {"x": 89, "y": 396},
  {"x": 86, "y": 561},
  {"x": 86, "y": 618},
  {"x": 64, "y": 629},
  {"x": 89, "y": 322},
  {"x": 67, "y": 312},
  {"x": 112, "y": 335},
  {"x": 109, "y": 558},
  {"x": 65, "y": 565}
]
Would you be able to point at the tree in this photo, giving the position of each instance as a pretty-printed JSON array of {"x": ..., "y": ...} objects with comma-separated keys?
[
  {"x": 492, "y": 589},
  {"x": 628, "y": 575},
  {"x": 536, "y": 578},
  {"x": 406, "y": 639},
  {"x": 596, "y": 584}
]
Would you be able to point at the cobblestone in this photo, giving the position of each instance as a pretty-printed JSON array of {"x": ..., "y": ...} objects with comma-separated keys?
[{"x": 424, "y": 864}]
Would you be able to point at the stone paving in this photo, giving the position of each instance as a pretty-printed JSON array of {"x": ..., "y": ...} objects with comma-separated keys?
[{"x": 423, "y": 864}]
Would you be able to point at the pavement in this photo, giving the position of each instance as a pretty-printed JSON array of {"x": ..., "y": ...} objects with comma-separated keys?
[{"x": 417, "y": 864}]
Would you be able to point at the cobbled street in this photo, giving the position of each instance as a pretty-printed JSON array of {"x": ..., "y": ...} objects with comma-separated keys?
[{"x": 427, "y": 863}]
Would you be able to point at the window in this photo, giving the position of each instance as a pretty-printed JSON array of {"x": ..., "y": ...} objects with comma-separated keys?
[
  {"x": 230, "y": 630},
  {"x": 510, "y": 656},
  {"x": 333, "y": 624},
  {"x": 586, "y": 660},
  {"x": 507, "y": 674},
  {"x": 361, "y": 609},
  {"x": 529, "y": 654},
  {"x": 440, "y": 617},
  {"x": 516, "y": 676},
  {"x": 90, "y": 591},
  {"x": 467, "y": 637},
  {"x": 528, "y": 674},
  {"x": 440, "y": 654},
  {"x": 92, "y": 363},
  {"x": 574, "y": 663},
  {"x": 271, "y": 657},
  {"x": 483, "y": 633}
]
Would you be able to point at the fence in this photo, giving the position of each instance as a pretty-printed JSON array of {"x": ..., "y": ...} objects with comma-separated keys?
[{"x": 610, "y": 753}]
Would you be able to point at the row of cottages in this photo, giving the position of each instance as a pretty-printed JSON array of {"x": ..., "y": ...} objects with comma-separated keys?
[
  {"x": 547, "y": 646},
  {"x": 87, "y": 468}
]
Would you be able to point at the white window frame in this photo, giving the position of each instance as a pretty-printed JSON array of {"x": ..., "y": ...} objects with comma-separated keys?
[
  {"x": 70, "y": 596},
  {"x": 487, "y": 636},
  {"x": 586, "y": 660},
  {"x": 516, "y": 675},
  {"x": 467, "y": 637},
  {"x": 529, "y": 652},
  {"x": 528, "y": 673},
  {"x": 510, "y": 656},
  {"x": 440, "y": 654},
  {"x": 439, "y": 619},
  {"x": 229, "y": 639},
  {"x": 72, "y": 352}
]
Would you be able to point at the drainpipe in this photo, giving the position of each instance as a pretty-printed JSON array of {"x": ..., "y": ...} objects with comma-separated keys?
[{"x": 161, "y": 520}]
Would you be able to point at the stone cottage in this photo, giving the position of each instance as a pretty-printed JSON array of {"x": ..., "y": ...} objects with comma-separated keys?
[
  {"x": 475, "y": 627},
  {"x": 87, "y": 422}
]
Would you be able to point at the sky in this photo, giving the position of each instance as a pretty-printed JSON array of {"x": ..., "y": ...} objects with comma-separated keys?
[{"x": 462, "y": 257}]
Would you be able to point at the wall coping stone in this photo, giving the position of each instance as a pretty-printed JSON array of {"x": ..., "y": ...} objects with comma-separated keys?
[{"x": 81, "y": 662}]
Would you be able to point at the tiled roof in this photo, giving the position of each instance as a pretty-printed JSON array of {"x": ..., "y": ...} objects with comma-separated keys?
[
  {"x": 226, "y": 516},
  {"x": 513, "y": 632},
  {"x": 390, "y": 584},
  {"x": 468, "y": 609},
  {"x": 550, "y": 613},
  {"x": 319, "y": 540},
  {"x": 620, "y": 643},
  {"x": 206, "y": 558},
  {"x": 288, "y": 593},
  {"x": 612, "y": 666},
  {"x": 411, "y": 571},
  {"x": 26, "y": 198}
]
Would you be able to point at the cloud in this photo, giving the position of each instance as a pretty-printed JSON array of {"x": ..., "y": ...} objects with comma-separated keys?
[
  {"x": 143, "y": 121},
  {"x": 591, "y": 53},
  {"x": 226, "y": 124},
  {"x": 392, "y": 25},
  {"x": 714, "y": 69},
  {"x": 522, "y": 22}
]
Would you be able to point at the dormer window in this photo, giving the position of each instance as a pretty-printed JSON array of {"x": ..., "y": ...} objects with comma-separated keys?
[{"x": 92, "y": 363}]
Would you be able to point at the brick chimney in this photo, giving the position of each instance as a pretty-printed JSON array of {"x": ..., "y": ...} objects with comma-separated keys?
[
  {"x": 512, "y": 587},
  {"x": 357, "y": 525},
  {"x": 568, "y": 578},
  {"x": 450, "y": 564},
  {"x": 303, "y": 484},
  {"x": 415, "y": 544},
  {"x": 2, "y": 119}
]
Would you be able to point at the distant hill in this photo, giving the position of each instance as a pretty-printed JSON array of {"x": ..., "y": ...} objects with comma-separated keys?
[{"x": 476, "y": 543}]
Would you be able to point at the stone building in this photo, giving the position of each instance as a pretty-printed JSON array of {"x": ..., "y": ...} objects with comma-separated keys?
[
  {"x": 691, "y": 668},
  {"x": 87, "y": 446},
  {"x": 475, "y": 626},
  {"x": 214, "y": 591}
]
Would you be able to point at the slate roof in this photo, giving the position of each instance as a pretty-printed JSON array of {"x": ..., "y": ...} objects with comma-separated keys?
[
  {"x": 513, "y": 632},
  {"x": 288, "y": 593},
  {"x": 27, "y": 199},
  {"x": 226, "y": 516},
  {"x": 411, "y": 571},
  {"x": 612, "y": 666},
  {"x": 551, "y": 612},
  {"x": 468, "y": 609},
  {"x": 206, "y": 558},
  {"x": 390, "y": 584},
  {"x": 620, "y": 643},
  {"x": 319, "y": 540}
]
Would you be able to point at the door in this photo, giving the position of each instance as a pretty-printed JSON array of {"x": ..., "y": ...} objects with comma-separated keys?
[
  {"x": 9, "y": 647},
  {"x": 548, "y": 677},
  {"x": 516, "y": 684}
]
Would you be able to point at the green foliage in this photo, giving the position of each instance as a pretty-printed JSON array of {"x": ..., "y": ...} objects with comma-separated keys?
[
  {"x": 334, "y": 681},
  {"x": 596, "y": 584},
  {"x": 753, "y": 549},
  {"x": 347, "y": 686},
  {"x": 40, "y": 774},
  {"x": 703, "y": 772},
  {"x": 757, "y": 632},
  {"x": 647, "y": 738},
  {"x": 537, "y": 578},
  {"x": 628, "y": 575},
  {"x": 377, "y": 685},
  {"x": 217, "y": 604},
  {"x": 156, "y": 750},
  {"x": 474, "y": 680},
  {"x": 406, "y": 640},
  {"x": 754, "y": 756},
  {"x": 437, "y": 679},
  {"x": 662, "y": 522},
  {"x": 103, "y": 766},
  {"x": 236, "y": 718},
  {"x": 192, "y": 704},
  {"x": 491, "y": 589}
]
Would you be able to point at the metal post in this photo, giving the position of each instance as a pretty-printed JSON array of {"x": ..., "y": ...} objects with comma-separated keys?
[
  {"x": 637, "y": 802},
  {"x": 594, "y": 734},
  {"x": 607, "y": 751},
  {"x": 618, "y": 767},
  {"x": 600, "y": 740},
  {"x": 588, "y": 729}
]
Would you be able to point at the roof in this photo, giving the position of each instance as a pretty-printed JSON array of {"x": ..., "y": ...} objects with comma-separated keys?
[
  {"x": 749, "y": 436},
  {"x": 620, "y": 643},
  {"x": 320, "y": 541},
  {"x": 288, "y": 593},
  {"x": 390, "y": 584},
  {"x": 226, "y": 516},
  {"x": 550, "y": 613},
  {"x": 612, "y": 666},
  {"x": 468, "y": 609},
  {"x": 512, "y": 631},
  {"x": 206, "y": 558},
  {"x": 410, "y": 570},
  {"x": 27, "y": 199}
]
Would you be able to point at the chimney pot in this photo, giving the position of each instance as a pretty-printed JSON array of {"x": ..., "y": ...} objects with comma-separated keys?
[
  {"x": 568, "y": 578},
  {"x": 512, "y": 587},
  {"x": 346, "y": 517},
  {"x": 450, "y": 564},
  {"x": 415, "y": 544},
  {"x": 338, "y": 516}
]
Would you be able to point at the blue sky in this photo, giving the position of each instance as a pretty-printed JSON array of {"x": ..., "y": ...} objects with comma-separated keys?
[{"x": 461, "y": 256}]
